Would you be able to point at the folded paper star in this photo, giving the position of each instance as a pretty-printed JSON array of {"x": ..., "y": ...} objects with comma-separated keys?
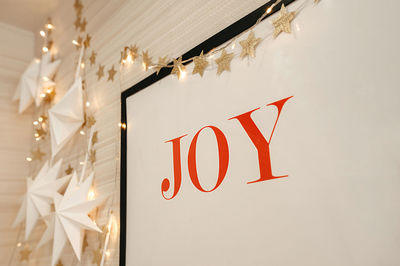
[
  {"x": 70, "y": 218},
  {"x": 66, "y": 117},
  {"x": 39, "y": 196}
]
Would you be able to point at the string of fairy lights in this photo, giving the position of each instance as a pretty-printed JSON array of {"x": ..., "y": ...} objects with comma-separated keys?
[{"x": 220, "y": 56}]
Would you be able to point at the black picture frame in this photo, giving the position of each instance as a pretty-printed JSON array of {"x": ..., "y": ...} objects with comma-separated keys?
[{"x": 206, "y": 46}]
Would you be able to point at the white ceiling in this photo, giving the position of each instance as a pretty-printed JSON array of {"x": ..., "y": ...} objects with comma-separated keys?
[{"x": 26, "y": 14}]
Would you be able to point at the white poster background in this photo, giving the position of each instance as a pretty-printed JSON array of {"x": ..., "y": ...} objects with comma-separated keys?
[{"x": 337, "y": 139}]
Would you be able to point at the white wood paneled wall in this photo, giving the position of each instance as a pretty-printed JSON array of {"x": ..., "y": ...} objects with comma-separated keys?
[
  {"x": 163, "y": 27},
  {"x": 16, "y": 52}
]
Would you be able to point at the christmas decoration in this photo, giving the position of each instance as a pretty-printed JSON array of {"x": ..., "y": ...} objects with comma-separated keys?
[
  {"x": 224, "y": 62},
  {"x": 282, "y": 23}
]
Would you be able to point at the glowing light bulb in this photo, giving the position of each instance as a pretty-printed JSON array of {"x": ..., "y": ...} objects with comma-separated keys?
[
  {"x": 82, "y": 132},
  {"x": 129, "y": 58},
  {"x": 81, "y": 163},
  {"x": 42, "y": 33},
  {"x": 75, "y": 42},
  {"x": 91, "y": 194},
  {"x": 42, "y": 95},
  {"x": 233, "y": 46},
  {"x": 122, "y": 125},
  {"x": 82, "y": 65},
  {"x": 40, "y": 119},
  {"x": 87, "y": 104},
  {"x": 45, "y": 49},
  {"x": 108, "y": 253},
  {"x": 45, "y": 78},
  {"x": 19, "y": 244},
  {"x": 35, "y": 123},
  {"x": 49, "y": 26},
  {"x": 269, "y": 10},
  {"x": 29, "y": 159},
  {"x": 144, "y": 65},
  {"x": 183, "y": 74}
]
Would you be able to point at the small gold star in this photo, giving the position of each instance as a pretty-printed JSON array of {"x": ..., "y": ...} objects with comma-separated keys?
[
  {"x": 90, "y": 121},
  {"x": 92, "y": 58},
  {"x": 59, "y": 263},
  {"x": 224, "y": 62},
  {"x": 95, "y": 137},
  {"x": 249, "y": 45},
  {"x": 134, "y": 52},
  {"x": 92, "y": 156},
  {"x": 111, "y": 74},
  {"x": 100, "y": 72},
  {"x": 39, "y": 132},
  {"x": 200, "y": 64},
  {"x": 178, "y": 67},
  {"x": 43, "y": 118},
  {"x": 86, "y": 42},
  {"x": 316, "y": 1},
  {"x": 83, "y": 25},
  {"x": 97, "y": 256},
  {"x": 162, "y": 62},
  {"x": 38, "y": 154},
  {"x": 69, "y": 170},
  {"x": 282, "y": 23},
  {"x": 146, "y": 60},
  {"x": 25, "y": 254},
  {"x": 80, "y": 41},
  {"x": 77, "y": 23}
]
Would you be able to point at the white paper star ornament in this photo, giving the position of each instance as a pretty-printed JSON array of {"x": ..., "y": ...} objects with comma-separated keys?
[
  {"x": 70, "y": 217},
  {"x": 27, "y": 86},
  {"x": 39, "y": 196},
  {"x": 66, "y": 117}
]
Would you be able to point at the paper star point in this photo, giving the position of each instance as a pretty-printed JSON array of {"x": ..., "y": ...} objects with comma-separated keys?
[
  {"x": 282, "y": 23},
  {"x": 38, "y": 154},
  {"x": 178, "y": 67},
  {"x": 86, "y": 42},
  {"x": 111, "y": 74},
  {"x": 25, "y": 254},
  {"x": 249, "y": 45},
  {"x": 200, "y": 64},
  {"x": 146, "y": 60},
  {"x": 162, "y": 62},
  {"x": 85, "y": 243},
  {"x": 100, "y": 72},
  {"x": 224, "y": 62}
]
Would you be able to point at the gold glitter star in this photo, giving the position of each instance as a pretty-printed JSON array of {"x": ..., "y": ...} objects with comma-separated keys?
[
  {"x": 80, "y": 41},
  {"x": 134, "y": 52},
  {"x": 83, "y": 25},
  {"x": 59, "y": 263},
  {"x": 90, "y": 121},
  {"x": 178, "y": 67},
  {"x": 282, "y": 23},
  {"x": 97, "y": 256},
  {"x": 77, "y": 23},
  {"x": 249, "y": 45},
  {"x": 92, "y": 58},
  {"x": 162, "y": 61},
  {"x": 100, "y": 72},
  {"x": 25, "y": 254},
  {"x": 224, "y": 62},
  {"x": 43, "y": 119},
  {"x": 38, "y": 154},
  {"x": 69, "y": 170},
  {"x": 200, "y": 64},
  {"x": 92, "y": 156},
  {"x": 111, "y": 74},
  {"x": 39, "y": 132},
  {"x": 95, "y": 137},
  {"x": 86, "y": 42},
  {"x": 146, "y": 60}
]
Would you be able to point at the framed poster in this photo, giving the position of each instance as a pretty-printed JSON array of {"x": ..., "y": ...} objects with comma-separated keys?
[{"x": 292, "y": 158}]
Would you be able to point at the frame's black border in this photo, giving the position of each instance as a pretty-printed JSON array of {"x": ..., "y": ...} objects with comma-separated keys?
[{"x": 212, "y": 42}]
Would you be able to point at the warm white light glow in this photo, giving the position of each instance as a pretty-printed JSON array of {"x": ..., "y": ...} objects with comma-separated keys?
[
  {"x": 29, "y": 159},
  {"x": 82, "y": 132},
  {"x": 82, "y": 65},
  {"x": 49, "y": 90},
  {"x": 40, "y": 119},
  {"x": 49, "y": 26},
  {"x": 42, "y": 95},
  {"x": 233, "y": 46},
  {"x": 42, "y": 33},
  {"x": 144, "y": 65},
  {"x": 122, "y": 125},
  {"x": 129, "y": 58},
  {"x": 45, "y": 49},
  {"x": 35, "y": 123},
  {"x": 37, "y": 139},
  {"x": 75, "y": 42},
  {"x": 19, "y": 244},
  {"x": 91, "y": 194},
  {"x": 269, "y": 10},
  {"x": 45, "y": 78},
  {"x": 87, "y": 104},
  {"x": 182, "y": 75},
  {"x": 108, "y": 253},
  {"x": 81, "y": 163}
]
